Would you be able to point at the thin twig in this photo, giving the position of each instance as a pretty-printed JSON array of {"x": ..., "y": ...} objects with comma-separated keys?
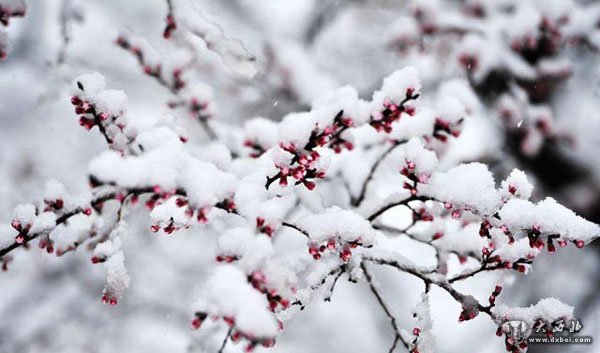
[
  {"x": 225, "y": 340},
  {"x": 483, "y": 268},
  {"x": 332, "y": 288},
  {"x": 428, "y": 279},
  {"x": 394, "y": 204},
  {"x": 404, "y": 231},
  {"x": 363, "y": 191},
  {"x": 293, "y": 226},
  {"x": 388, "y": 311},
  {"x": 67, "y": 215}
]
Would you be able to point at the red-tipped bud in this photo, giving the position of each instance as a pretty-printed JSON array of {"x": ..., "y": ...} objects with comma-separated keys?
[
  {"x": 97, "y": 259},
  {"x": 309, "y": 185},
  {"x": 20, "y": 239},
  {"x": 314, "y": 251},
  {"x": 196, "y": 323},
  {"x": 76, "y": 101},
  {"x": 438, "y": 235}
]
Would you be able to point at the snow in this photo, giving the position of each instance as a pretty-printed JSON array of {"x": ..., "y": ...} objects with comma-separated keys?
[
  {"x": 524, "y": 23},
  {"x": 250, "y": 248},
  {"x": 555, "y": 9},
  {"x": 518, "y": 250},
  {"x": 548, "y": 310},
  {"x": 460, "y": 90},
  {"x": 66, "y": 235},
  {"x": 421, "y": 124},
  {"x": 486, "y": 55},
  {"x": 92, "y": 83},
  {"x": 463, "y": 241},
  {"x": 302, "y": 75},
  {"x": 43, "y": 223},
  {"x": 468, "y": 186},
  {"x": 404, "y": 29},
  {"x": 169, "y": 212},
  {"x": 450, "y": 109},
  {"x": 262, "y": 131},
  {"x": 54, "y": 190},
  {"x": 5, "y": 44},
  {"x": 117, "y": 279},
  {"x": 551, "y": 217},
  {"x": 380, "y": 255},
  {"x": 215, "y": 153},
  {"x": 108, "y": 248},
  {"x": 424, "y": 160},
  {"x": 295, "y": 128},
  {"x": 169, "y": 167},
  {"x": 111, "y": 101},
  {"x": 342, "y": 99},
  {"x": 13, "y": 5},
  {"x": 517, "y": 183},
  {"x": 334, "y": 222},
  {"x": 395, "y": 87},
  {"x": 25, "y": 214},
  {"x": 227, "y": 293},
  {"x": 425, "y": 340},
  {"x": 102, "y": 107},
  {"x": 7, "y": 235}
]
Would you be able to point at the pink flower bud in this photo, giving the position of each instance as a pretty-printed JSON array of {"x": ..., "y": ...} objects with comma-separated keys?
[
  {"x": 309, "y": 185},
  {"x": 314, "y": 251},
  {"x": 76, "y": 101},
  {"x": 196, "y": 323},
  {"x": 20, "y": 239}
]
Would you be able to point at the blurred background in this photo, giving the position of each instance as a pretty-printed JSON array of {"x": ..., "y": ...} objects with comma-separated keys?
[{"x": 534, "y": 74}]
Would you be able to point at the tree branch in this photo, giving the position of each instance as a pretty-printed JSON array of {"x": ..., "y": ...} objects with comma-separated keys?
[
  {"x": 384, "y": 305},
  {"x": 222, "y": 349},
  {"x": 394, "y": 204},
  {"x": 361, "y": 196}
]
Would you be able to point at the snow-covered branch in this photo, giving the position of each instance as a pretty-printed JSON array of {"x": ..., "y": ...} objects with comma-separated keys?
[{"x": 269, "y": 180}]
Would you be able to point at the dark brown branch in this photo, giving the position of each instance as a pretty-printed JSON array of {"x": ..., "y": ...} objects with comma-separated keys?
[
  {"x": 67, "y": 215},
  {"x": 363, "y": 191},
  {"x": 428, "y": 280},
  {"x": 293, "y": 226},
  {"x": 222, "y": 349},
  {"x": 101, "y": 127},
  {"x": 335, "y": 280},
  {"x": 272, "y": 179},
  {"x": 385, "y": 307},
  {"x": 483, "y": 268},
  {"x": 394, "y": 204},
  {"x": 404, "y": 231}
]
